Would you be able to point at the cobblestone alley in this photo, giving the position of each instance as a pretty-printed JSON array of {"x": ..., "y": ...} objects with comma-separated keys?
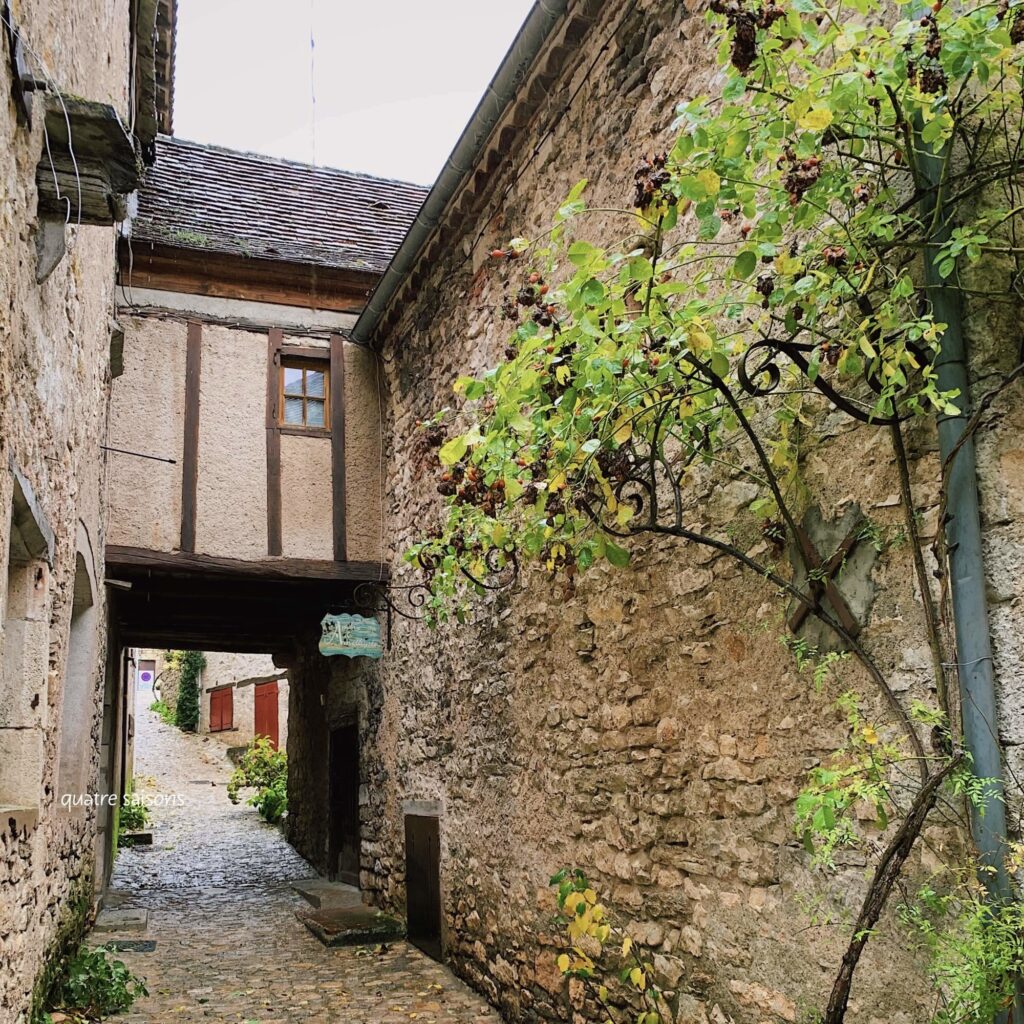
[{"x": 228, "y": 947}]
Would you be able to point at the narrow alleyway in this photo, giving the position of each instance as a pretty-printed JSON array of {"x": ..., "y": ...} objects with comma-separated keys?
[{"x": 228, "y": 947}]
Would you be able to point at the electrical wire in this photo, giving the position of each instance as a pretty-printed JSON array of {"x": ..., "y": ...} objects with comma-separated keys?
[{"x": 51, "y": 85}]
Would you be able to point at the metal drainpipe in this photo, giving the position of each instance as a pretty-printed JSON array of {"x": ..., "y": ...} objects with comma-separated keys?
[
  {"x": 975, "y": 669},
  {"x": 539, "y": 24}
]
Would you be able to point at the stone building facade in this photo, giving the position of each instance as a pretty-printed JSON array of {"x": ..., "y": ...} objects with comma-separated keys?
[
  {"x": 257, "y": 703},
  {"x": 649, "y": 725},
  {"x": 60, "y": 685}
]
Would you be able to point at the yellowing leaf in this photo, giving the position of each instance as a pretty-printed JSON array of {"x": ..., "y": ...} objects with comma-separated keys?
[
  {"x": 499, "y": 534},
  {"x": 638, "y": 978},
  {"x": 627, "y": 945},
  {"x": 623, "y": 430},
  {"x": 563, "y": 962},
  {"x": 562, "y": 373},
  {"x": 711, "y": 181},
  {"x": 816, "y": 119},
  {"x": 699, "y": 340},
  {"x": 869, "y": 734}
]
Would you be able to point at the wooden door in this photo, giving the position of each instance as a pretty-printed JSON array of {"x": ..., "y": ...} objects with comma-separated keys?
[
  {"x": 266, "y": 712},
  {"x": 343, "y": 796},
  {"x": 423, "y": 882},
  {"x": 222, "y": 709}
]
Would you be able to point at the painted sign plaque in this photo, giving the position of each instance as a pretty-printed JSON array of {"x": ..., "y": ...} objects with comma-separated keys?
[{"x": 354, "y": 636}]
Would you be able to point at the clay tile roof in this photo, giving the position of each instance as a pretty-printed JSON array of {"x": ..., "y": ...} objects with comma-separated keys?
[{"x": 220, "y": 200}]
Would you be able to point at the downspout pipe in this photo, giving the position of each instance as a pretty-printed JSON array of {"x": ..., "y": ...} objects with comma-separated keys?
[
  {"x": 536, "y": 30},
  {"x": 975, "y": 668}
]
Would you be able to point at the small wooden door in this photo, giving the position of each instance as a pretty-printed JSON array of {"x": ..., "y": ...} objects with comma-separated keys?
[
  {"x": 222, "y": 709},
  {"x": 266, "y": 712},
  {"x": 423, "y": 882},
  {"x": 343, "y": 797}
]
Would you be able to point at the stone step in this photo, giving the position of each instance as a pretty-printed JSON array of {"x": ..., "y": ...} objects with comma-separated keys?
[
  {"x": 351, "y": 926},
  {"x": 127, "y": 920},
  {"x": 321, "y": 893}
]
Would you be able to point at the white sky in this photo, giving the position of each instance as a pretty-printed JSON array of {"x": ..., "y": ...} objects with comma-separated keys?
[{"x": 396, "y": 80}]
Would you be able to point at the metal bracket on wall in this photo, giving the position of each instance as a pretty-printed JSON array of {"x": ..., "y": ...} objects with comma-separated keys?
[
  {"x": 411, "y": 600},
  {"x": 23, "y": 80}
]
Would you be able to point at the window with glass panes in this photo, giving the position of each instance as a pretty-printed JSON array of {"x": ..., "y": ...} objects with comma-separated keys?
[{"x": 304, "y": 393}]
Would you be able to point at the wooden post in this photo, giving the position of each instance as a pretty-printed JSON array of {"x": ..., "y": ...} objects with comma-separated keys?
[
  {"x": 338, "y": 446},
  {"x": 190, "y": 449},
  {"x": 274, "y": 341}
]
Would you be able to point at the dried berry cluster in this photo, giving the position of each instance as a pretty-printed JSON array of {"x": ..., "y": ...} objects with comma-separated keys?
[
  {"x": 926, "y": 72},
  {"x": 744, "y": 23},
  {"x": 835, "y": 256},
  {"x": 801, "y": 175},
  {"x": 466, "y": 485},
  {"x": 650, "y": 178},
  {"x": 615, "y": 465},
  {"x": 533, "y": 294}
]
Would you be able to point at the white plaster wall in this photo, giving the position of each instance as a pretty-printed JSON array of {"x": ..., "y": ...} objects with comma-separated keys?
[
  {"x": 231, "y": 513},
  {"x": 147, "y": 414},
  {"x": 306, "y": 497}
]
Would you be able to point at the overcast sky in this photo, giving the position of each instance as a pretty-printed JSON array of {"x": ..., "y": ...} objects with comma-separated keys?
[{"x": 395, "y": 80}]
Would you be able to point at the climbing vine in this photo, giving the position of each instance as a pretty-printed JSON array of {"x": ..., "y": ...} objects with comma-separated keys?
[
  {"x": 190, "y": 665},
  {"x": 780, "y": 261}
]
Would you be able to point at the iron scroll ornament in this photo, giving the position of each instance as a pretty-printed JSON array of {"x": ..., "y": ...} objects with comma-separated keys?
[
  {"x": 409, "y": 600},
  {"x": 764, "y": 377}
]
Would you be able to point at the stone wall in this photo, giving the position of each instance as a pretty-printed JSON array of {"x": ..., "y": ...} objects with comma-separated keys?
[
  {"x": 225, "y": 668},
  {"x": 54, "y": 359},
  {"x": 648, "y": 725}
]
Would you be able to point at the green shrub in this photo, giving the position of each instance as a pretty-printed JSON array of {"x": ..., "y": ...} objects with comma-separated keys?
[
  {"x": 271, "y": 801},
  {"x": 134, "y": 817},
  {"x": 96, "y": 986},
  {"x": 167, "y": 714},
  {"x": 190, "y": 664},
  {"x": 264, "y": 769}
]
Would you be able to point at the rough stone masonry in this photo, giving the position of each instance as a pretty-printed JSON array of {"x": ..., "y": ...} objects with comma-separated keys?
[
  {"x": 650, "y": 726},
  {"x": 54, "y": 366}
]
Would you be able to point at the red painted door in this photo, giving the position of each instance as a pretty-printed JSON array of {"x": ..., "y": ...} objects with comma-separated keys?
[
  {"x": 222, "y": 709},
  {"x": 266, "y": 712}
]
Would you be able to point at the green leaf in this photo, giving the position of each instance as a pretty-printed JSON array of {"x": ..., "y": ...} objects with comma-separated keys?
[
  {"x": 592, "y": 292},
  {"x": 583, "y": 254},
  {"x": 734, "y": 88},
  {"x": 719, "y": 363},
  {"x": 745, "y": 264},
  {"x": 452, "y": 451},
  {"x": 619, "y": 557},
  {"x": 640, "y": 269},
  {"x": 736, "y": 144}
]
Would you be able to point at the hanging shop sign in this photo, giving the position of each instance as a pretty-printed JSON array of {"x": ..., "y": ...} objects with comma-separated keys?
[{"x": 355, "y": 636}]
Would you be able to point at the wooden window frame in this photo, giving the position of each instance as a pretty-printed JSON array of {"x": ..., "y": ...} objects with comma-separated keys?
[{"x": 304, "y": 362}]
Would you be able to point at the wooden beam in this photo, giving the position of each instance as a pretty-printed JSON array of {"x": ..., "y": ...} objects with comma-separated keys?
[
  {"x": 305, "y": 352},
  {"x": 274, "y": 539},
  {"x": 123, "y": 562},
  {"x": 177, "y": 268},
  {"x": 338, "y": 447},
  {"x": 190, "y": 449}
]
